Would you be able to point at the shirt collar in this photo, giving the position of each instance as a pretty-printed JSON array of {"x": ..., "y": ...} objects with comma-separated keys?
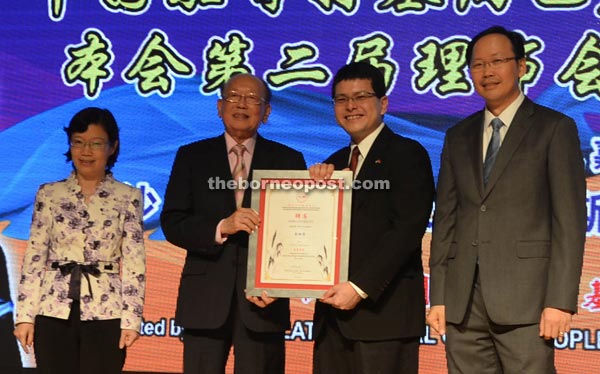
[
  {"x": 365, "y": 145},
  {"x": 507, "y": 114},
  {"x": 249, "y": 143},
  {"x": 74, "y": 185}
]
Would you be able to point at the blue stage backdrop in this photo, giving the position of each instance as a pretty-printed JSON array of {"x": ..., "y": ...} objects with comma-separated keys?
[{"x": 158, "y": 66}]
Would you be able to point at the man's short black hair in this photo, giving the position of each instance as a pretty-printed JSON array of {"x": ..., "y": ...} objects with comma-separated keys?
[
  {"x": 361, "y": 70},
  {"x": 516, "y": 40}
]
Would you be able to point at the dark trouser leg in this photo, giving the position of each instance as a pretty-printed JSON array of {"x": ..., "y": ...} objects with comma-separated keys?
[
  {"x": 56, "y": 344},
  {"x": 99, "y": 350}
]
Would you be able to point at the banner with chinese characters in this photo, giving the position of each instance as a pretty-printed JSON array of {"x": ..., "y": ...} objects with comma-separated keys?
[{"x": 158, "y": 65}]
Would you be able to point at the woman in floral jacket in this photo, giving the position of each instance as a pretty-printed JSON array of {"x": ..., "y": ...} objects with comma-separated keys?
[{"x": 81, "y": 291}]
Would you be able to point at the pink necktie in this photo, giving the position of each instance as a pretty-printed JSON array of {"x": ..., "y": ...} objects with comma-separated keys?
[{"x": 239, "y": 172}]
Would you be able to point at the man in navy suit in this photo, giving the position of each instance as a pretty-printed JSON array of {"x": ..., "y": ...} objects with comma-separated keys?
[
  {"x": 508, "y": 236},
  {"x": 213, "y": 228},
  {"x": 372, "y": 323}
]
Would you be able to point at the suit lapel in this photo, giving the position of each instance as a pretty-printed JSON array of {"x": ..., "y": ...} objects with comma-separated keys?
[
  {"x": 376, "y": 154},
  {"x": 475, "y": 150},
  {"x": 372, "y": 164},
  {"x": 222, "y": 168},
  {"x": 260, "y": 156},
  {"x": 339, "y": 159},
  {"x": 513, "y": 138},
  {"x": 370, "y": 167},
  {"x": 260, "y": 160}
]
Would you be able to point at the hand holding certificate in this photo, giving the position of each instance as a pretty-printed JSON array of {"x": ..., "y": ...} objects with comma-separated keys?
[{"x": 301, "y": 247}]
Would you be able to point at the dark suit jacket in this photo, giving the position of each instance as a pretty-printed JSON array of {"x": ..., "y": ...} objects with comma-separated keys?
[
  {"x": 11, "y": 359},
  {"x": 387, "y": 227},
  {"x": 526, "y": 227},
  {"x": 191, "y": 212}
]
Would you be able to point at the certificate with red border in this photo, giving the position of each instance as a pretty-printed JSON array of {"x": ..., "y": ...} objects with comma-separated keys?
[{"x": 301, "y": 246}]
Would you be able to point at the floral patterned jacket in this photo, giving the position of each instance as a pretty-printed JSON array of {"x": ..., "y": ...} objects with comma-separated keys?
[{"x": 105, "y": 234}]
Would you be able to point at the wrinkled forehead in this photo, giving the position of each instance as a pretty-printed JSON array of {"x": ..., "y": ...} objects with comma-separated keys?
[{"x": 244, "y": 83}]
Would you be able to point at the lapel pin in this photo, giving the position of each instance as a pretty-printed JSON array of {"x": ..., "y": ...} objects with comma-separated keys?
[{"x": 378, "y": 161}]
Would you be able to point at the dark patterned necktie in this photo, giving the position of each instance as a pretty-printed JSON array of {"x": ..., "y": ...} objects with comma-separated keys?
[{"x": 492, "y": 150}]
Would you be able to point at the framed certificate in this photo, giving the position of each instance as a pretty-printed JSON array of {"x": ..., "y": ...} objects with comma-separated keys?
[{"x": 301, "y": 246}]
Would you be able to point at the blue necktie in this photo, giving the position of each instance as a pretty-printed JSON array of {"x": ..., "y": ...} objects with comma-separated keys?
[{"x": 492, "y": 150}]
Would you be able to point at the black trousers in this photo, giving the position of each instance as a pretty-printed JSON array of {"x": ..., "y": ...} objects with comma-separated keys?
[
  {"x": 206, "y": 351},
  {"x": 334, "y": 353},
  {"x": 73, "y": 346}
]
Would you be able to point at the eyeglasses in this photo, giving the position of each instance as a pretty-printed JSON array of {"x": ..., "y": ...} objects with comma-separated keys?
[
  {"x": 234, "y": 97},
  {"x": 95, "y": 145},
  {"x": 494, "y": 64},
  {"x": 358, "y": 98}
]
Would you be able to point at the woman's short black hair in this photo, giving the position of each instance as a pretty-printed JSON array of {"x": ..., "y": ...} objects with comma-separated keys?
[{"x": 95, "y": 116}]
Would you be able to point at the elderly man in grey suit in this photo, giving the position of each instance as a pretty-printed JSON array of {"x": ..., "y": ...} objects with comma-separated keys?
[{"x": 510, "y": 223}]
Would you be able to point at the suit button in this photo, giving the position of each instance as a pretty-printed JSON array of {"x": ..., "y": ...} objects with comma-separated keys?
[
  {"x": 474, "y": 243},
  {"x": 483, "y": 208}
]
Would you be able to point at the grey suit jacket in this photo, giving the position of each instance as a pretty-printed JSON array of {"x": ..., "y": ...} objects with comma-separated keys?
[{"x": 526, "y": 228}]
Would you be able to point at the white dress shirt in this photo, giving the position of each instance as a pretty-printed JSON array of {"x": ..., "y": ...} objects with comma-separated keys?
[{"x": 506, "y": 117}]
